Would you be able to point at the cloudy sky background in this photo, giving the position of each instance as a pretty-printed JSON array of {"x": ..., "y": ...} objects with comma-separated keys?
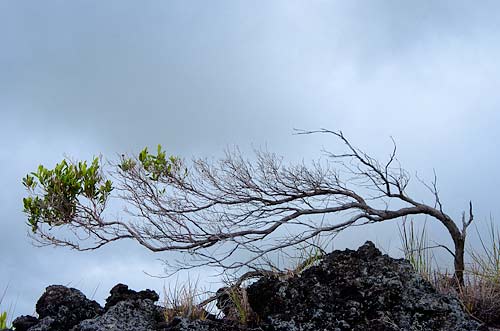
[{"x": 83, "y": 78}]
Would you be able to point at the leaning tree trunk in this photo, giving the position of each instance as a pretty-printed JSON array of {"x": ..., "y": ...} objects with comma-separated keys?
[
  {"x": 458, "y": 237},
  {"x": 459, "y": 259}
]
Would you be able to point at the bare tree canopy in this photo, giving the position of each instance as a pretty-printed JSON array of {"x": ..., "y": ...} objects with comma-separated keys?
[{"x": 213, "y": 210}]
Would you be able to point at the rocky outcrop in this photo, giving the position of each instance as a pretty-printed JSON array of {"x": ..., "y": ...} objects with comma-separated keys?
[
  {"x": 121, "y": 292},
  {"x": 184, "y": 324},
  {"x": 67, "y": 309},
  {"x": 23, "y": 323},
  {"x": 346, "y": 290},
  {"x": 356, "y": 290},
  {"x": 125, "y": 315},
  {"x": 59, "y": 309}
]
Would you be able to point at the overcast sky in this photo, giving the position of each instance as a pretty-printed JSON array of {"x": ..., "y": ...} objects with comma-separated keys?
[{"x": 83, "y": 78}]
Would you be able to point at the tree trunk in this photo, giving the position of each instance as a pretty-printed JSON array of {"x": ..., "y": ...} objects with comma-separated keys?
[{"x": 459, "y": 259}]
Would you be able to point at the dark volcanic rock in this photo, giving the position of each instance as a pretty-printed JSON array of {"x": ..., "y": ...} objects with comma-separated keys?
[
  {"x": 126, "y": 310},
  {"x": 184, "y": 324},
  {"x": 140, "y": 315},
  {"x": 121, "y": 292},
  {"x": 23, "y": 323},
  {"x": 356, "y": 290},
  {"x": 347, "y": 290},
  {"x": 64, "y": 309},
  {"x": 60, "y": 308}
]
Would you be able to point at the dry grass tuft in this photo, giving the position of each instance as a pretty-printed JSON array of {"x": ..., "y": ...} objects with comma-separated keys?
[
  {"x": 243, "y": 313},
  {"x": 480, "y": 294},
  {"x": 183, "y": 301},
  {"x": 416, "y": 248}
]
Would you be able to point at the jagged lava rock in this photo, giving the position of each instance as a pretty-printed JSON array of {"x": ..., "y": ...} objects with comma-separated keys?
[
  {"x": 346, "y": 290},
  {"x": 23, "y": 323},
  {"x": 60, "y": 308},
  {"x": 121, "y": 292},
  {"x": 356, "y": 290},
  {"x": 126, "y": 309},
  {"x": 67, "y": 309},
  {"x": 138, "y": 314},
  {"x": 184, "y": 324}
]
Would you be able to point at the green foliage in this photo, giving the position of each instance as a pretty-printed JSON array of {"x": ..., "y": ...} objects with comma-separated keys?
[
  {"x": 157, "y": 165},
  {"x": 3, "y": 320},
  {"x": 55, "y": 194},
  {"x": 127, "y": 164},
  {"x": 61, "y": 188}
]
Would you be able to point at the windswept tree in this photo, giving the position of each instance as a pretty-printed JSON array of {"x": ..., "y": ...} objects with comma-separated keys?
[{"x": 213, "y": 210}]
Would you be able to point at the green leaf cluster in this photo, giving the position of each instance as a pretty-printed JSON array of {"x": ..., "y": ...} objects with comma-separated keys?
[
  {"x": 61, "y": 187},
  {"x": 127, "y": 164},
  {"x": 158, "y": 165}
]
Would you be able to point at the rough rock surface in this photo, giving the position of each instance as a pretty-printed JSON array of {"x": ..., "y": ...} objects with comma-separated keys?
[
  {"x": 184, "y": 324},
  {"x": 346, "y": 290},
  {"x": 60, "y": 308},
  {"x": 64, "y": 309},
  {"x": 125, "y": 315},
  {"x": 121, "y": 292},
  {"x": 23, "y": 323},
  {"x": 356, "y": 290}
]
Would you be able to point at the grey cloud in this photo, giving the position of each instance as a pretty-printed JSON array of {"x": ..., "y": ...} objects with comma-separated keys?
[{"x": 91, "y": 77}]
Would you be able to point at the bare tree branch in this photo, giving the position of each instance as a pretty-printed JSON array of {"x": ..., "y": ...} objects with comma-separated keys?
[{"x": 218, "y": 211}]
